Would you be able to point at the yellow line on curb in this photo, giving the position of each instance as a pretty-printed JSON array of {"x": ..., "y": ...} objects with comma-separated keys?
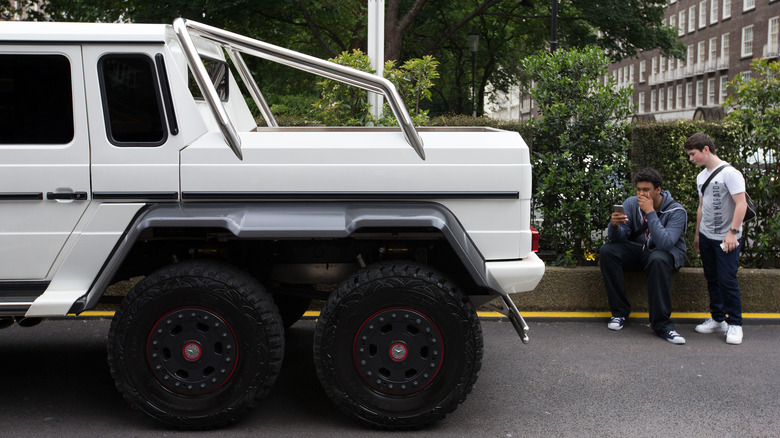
[{"x": 677, "y": 315}]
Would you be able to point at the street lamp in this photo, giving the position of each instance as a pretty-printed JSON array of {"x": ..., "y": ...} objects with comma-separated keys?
[{"x": 473, "y": 44}]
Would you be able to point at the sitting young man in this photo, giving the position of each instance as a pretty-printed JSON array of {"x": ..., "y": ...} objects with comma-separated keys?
[{"x": 649, "y": 236}]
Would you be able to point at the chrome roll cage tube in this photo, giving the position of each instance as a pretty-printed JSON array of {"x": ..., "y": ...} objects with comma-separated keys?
[{"x": 236, "y": 44}]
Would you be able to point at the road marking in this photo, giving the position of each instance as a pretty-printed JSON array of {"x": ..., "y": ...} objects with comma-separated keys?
[{"x": 313, "y": 314}]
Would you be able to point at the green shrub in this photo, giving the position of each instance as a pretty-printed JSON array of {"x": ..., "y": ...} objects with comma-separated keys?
[
  {"x": 580, "y": 149},
  {"x": 755, "y": 121}
]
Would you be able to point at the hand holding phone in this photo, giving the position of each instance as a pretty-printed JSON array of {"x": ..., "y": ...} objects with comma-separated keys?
[{"x": 618, "y": 215}]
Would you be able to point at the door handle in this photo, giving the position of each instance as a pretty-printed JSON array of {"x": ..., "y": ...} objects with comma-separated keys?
[{"x": 77, "y": 196}]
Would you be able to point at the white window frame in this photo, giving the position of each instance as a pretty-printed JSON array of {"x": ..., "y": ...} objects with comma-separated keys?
[
  {"x": 711, "y": 95},
  {"x": 642, "y": 70},
  {"x": 691, "y": 18},
  {"x": 688, "y": 94},
  {"x": 653, "y": 101},
  {"x": 700, "y": 93},
  {"x": 713, "y": 52},
  {"x": 673, "y": 22},
  {"x": 746, "y": 48},
  {"x": 669, "y": 97},
  {"x": 703, "y": 14},
  {"x": 773, "y": 35},
  {"x": 631, "y": 73},
  {"x": 681, "y": 21},
  {"x": 724, "y": 80},
  {"x": 714, "y": 11},
  {"x": 748, "y": 5},
  {"x": 661, "y": 98},
  {"x": 702, "y": 53},
  {"x": 654, "y": 64},
  {"x": 726, "y": 9},
  {"x": 679, "y": 93},
  {"x": 725, "y": 44},
  {"x": 641, "y": 103}
]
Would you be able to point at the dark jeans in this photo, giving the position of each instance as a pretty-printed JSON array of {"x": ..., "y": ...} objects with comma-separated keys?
[
  {"x": 658, "y": 265},
  {"x": 720, "y": 271}
]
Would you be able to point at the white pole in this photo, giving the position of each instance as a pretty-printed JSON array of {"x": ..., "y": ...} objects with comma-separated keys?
[{"x": 376, "y": 48}]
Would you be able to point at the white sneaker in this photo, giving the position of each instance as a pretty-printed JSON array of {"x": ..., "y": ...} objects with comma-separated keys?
[
  {"x": 712, "y": 326},
  {"x": 734, "y": 335},
  {"x": 616, "y": 323}
]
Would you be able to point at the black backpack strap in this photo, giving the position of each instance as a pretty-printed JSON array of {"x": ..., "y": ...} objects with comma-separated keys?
[
  {"x": 636, "y": 233},
  {"x": 714, "y": 172}
]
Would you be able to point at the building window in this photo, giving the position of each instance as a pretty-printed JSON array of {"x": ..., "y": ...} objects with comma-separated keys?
[
  {"x": 631, "y": 73},
  {"x": 714, "y": 11},
  {"x": 772, "y": 43},
  {"x": 726, "y": 9},
  {"x": 652, "y": 101},
  {"x": 724, "y": 81},
  {"x": 673, "y": 22},
  {"x": 747, "y": 41},
  {"x": 681, "y": 19},
  {"x": 713, "y": 49},
  {"x": 699, "y": 93},
  {"x": 661, "y": 99},
  {"x": 724, "y": 47},
  {"x": 689, "y": 94},
  {"x": 641, "y": 103},
  {"x": 748, "y": 5},
  {"x": 702, "y": 53},
  {"x": 654, "y": 67},
  {"x": 703, "y": 13},
  {"x": 670, "y": 98},
  {"x": 711, "y": 92},
  {"x": 689, "y": 60},
  {"x": 745, "y": 75},
  {"x": 642, "y": 69},
  {"x": 679, "y": 92},
  {"x": 692, "y": 18}
]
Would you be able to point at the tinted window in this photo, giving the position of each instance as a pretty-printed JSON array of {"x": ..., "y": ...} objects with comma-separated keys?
[
  {"x": 217, "y": 71},
  {"x": 36, "y": 101},
  {"x": 131, "y": 100}
]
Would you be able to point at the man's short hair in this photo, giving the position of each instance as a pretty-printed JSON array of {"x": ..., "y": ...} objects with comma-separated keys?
[
  {"x": 649, "y": 175},
  {"x": 698, "y": 141}
]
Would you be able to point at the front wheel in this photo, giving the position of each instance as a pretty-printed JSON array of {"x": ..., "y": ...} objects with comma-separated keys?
[
  {"x": 195, "y": 344},
  {"x": 397, "y": 346}
]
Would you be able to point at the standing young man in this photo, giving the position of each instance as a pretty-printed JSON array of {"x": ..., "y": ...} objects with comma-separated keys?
[
  {"x": 649, "y": 236},
  {"x": 722, "y": 208}
]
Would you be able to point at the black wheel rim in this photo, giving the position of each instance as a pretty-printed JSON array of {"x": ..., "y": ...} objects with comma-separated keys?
[
  {"x": 192, "y": 351},
  {"x": 398, "y": 351}
]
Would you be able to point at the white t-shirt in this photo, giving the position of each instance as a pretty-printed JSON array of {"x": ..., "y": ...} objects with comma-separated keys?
[{"x": 717, "y": 203}]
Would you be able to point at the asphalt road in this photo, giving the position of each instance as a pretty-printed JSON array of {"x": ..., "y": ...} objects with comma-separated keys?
[{"x": 575, "y": 378}]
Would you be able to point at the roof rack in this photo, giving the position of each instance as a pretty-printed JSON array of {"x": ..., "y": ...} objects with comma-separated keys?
[{"x": 236, "y": 44}]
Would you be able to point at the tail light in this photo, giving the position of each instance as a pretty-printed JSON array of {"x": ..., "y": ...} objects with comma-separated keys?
[{"x": 534, "y": 240}]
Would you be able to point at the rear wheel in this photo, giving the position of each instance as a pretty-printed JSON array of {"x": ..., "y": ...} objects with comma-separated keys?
[
  {"x": 397, "y": 346},
  {"x": 195, "y": 344}
]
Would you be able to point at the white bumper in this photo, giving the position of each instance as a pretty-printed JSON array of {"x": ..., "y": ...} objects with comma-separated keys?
[{"x": 516, "y": 275}]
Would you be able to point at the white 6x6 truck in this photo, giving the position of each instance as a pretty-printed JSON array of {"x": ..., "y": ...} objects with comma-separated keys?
[{"x": 129, "y": 151}]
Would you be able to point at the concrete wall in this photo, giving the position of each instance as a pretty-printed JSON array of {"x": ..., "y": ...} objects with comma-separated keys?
[{"x": 582, "y": 289}]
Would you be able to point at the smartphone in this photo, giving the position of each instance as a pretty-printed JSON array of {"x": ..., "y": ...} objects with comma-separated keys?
[{"x": 618, "y": 209}]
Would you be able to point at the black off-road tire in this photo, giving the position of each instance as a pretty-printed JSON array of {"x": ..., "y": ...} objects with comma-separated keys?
[
  {"x": 397, "y": 346},
  {"x": 195, "y": 344}
]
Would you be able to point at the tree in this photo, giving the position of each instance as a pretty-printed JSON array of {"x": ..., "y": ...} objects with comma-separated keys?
[
  {"x": 509, "y": 30},
  {"x": 755, "y": 120},
  {"x": 580, "y": 148}
]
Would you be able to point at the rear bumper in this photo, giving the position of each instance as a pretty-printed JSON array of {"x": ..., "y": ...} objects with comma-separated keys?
[{"x": 516, "y": 276}]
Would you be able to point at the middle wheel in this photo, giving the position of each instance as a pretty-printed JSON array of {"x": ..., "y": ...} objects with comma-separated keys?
[{"x": 397, "y": 346}]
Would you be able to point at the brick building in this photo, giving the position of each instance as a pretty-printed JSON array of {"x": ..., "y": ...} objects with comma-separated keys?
[{"x": 722, "y": 37}]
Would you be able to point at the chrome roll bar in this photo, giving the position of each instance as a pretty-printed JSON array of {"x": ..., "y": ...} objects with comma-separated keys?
[{"x": 235, "y": 44}]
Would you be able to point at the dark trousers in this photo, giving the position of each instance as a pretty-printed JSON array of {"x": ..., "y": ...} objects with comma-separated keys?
[
  {"x": 658, "y": 265},
  {"x": 720, "y": 271}
]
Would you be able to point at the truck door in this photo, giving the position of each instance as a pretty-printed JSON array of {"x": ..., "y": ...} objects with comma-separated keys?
[
  {"x": 134, "y": 131},
  {"x": 44, "y": 156}
]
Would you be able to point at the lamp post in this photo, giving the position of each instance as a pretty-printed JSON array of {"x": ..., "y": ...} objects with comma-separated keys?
[{"x": 473, "y": 44}]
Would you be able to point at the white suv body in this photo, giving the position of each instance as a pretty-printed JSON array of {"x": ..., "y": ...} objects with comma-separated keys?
[{"x": 111, "y": 161}]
